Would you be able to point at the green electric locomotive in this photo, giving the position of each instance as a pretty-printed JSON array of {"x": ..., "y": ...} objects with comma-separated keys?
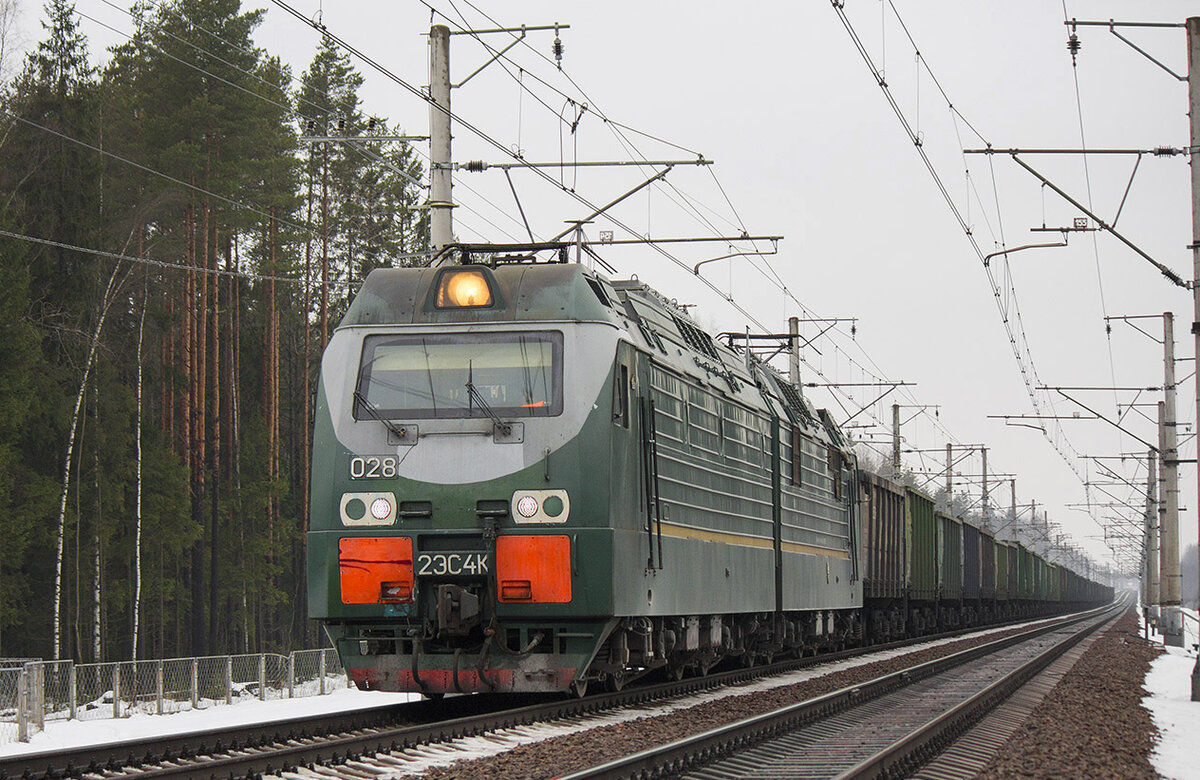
[{"x": 527, "y": 477}]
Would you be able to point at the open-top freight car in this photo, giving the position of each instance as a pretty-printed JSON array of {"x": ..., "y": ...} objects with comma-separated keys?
[{"x": 527, "y": 477}]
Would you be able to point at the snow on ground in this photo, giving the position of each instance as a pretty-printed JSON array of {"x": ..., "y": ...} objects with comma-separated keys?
[
  {"x": 60, "y": 735},
  {"x": 1169, "y": 700}
]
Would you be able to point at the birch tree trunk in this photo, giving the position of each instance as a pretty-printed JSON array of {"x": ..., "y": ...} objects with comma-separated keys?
[
  {"x": 97, "y": 522},
  {"x": 105, "y": 302},
  {"x": 137, "y": 538}
]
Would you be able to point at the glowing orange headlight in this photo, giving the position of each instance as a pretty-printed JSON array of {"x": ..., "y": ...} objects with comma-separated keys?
[{"x": 463, "y": 288}]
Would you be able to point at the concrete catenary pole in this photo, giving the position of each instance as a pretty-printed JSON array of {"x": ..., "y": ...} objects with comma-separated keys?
[
  {"x": 950, "y": 477},
  {"x": 1151, "y": 576},
  {"x": 985, "y": 485},
  {"x": 1168, "y": 542},
  {"x": 794, "y": 350},
  {"x": 1014, "y": 504},
  {"x": 1193, "y": 45},
  {"x": 441, "y": 200},
  {"x": 896, "y": 442},
  {"x": 1169, "y": 467}
]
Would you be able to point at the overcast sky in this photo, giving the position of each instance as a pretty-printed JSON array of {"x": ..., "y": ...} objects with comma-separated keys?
[{"x": 805, "y": 145}]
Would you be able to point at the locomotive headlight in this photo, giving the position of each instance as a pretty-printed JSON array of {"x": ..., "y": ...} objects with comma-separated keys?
[
  {"x": 458, "y": 289},
  {"x": 381, "y": 508},
  {"x": 527, "y": 506}
]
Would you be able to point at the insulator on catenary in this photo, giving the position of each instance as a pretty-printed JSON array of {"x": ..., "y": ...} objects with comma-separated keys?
[
  {"x": 557, "y": 48},
  {"x": 1074, "y": 44}
]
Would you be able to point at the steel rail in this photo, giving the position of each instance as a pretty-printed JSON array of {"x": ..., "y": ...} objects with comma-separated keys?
[
  {"x": 907, "y": 755},
  {"x": 676, "y": 758},
  {"x": 338, "y": 738}
]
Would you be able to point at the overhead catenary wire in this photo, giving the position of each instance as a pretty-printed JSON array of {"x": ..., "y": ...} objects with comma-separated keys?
[
  {"x": 1087, "y": 177},
  {"x": 147, "y": 169},
  {"x": 770, "y": 273},
  {"x": 584, "y": 100},
  {"x": 359, "y": 147},
  {"x": 224, "y": 272},
  {"x": 1013, "y": 324},
  {"x": 284, "y": 221},
  {"x": 577, "y": 196}
]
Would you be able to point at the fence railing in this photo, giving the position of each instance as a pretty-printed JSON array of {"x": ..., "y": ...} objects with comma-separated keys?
[{"x": 33, "y": 691}]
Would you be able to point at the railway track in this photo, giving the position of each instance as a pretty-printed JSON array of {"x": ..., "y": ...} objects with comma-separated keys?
[
  {"x": 888, "y": 727},
  {"x": 371, "y": 736}
]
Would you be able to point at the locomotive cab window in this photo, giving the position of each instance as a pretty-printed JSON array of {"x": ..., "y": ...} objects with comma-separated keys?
[{"x": 462, "y": 375}]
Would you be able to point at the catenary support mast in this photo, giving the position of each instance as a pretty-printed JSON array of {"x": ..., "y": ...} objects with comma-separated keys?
[
  {"x": 1193, "y": 45},
  {"x": 441, "y": 201},
  {"x": 1171, "y": 619}
]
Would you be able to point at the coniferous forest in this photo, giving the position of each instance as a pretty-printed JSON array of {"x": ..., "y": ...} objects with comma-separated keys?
[{"x": 173, "y": 257}]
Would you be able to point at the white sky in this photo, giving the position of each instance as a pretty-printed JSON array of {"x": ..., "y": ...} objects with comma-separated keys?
[{"x": 806, "y": 146}]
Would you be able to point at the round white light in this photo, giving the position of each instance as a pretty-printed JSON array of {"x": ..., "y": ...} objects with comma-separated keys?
[
  {"x": 380, "y": 508},
  {"x": 527, "y": 506}
]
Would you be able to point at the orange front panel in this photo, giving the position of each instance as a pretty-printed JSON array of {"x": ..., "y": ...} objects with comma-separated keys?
[
  {"x": 376, "y": 570},
  {"x": 534, "y": 569}
]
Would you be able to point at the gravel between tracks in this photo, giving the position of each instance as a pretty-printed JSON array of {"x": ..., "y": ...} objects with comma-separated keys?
[
  {"x": 561, "y": 755},
  {"x": 1092, "y": 724}
]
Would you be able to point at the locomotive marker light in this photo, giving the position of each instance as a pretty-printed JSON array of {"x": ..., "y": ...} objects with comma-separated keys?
[
  {"x": 368, "y": 509},
  {"x": 463, "y": 289},
  {"x": 540, "y": 506},
  {"x": 381, "y": 508},
  {"x": 527, "y": 506}
]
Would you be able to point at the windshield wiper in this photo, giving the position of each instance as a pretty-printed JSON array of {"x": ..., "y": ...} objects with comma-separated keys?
[
  {"x": 472, "y": 393},
  {"x": 360, "y": 399}
]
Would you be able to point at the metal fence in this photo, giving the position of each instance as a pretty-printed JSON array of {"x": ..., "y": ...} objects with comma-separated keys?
[{"x": 33, "y": 691}]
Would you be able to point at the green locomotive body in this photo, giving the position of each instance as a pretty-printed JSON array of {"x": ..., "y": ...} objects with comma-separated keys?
[{"x": 551, "y": 479}]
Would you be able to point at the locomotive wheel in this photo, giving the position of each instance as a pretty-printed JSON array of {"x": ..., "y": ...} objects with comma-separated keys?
[
  {"x": 579, "y": 688},
  {"x": 676, "y": 673},
  {"x": 615, "y": 682}
]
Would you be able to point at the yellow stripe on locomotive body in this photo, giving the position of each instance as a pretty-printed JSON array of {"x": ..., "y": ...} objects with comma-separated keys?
[
  {"x": 526, "y": 477},
  {"x": 743, "y": 540}
]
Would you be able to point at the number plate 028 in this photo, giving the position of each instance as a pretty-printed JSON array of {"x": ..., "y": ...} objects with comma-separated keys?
[{"x": 452, "y": 564}]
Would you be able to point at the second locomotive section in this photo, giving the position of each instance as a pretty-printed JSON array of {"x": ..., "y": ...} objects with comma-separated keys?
[{"x": 527, "y": 478}]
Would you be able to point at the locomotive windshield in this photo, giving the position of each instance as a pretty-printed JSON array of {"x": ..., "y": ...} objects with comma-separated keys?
[{"x": 448, "y": 375}]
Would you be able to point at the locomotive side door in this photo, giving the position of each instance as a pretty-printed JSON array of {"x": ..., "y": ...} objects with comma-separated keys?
[
  {"x": 625, "y": 496},
  {"x": 650, "y": 506}
]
